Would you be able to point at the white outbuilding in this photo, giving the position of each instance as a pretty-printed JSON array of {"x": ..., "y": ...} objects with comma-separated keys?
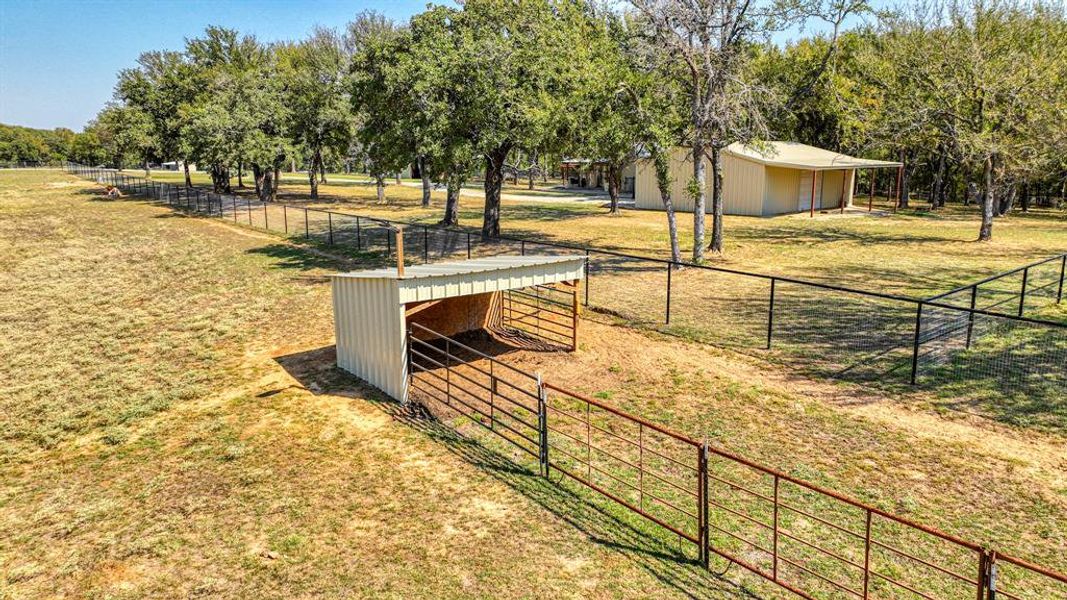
[
  {"x": 373, "y": 309},
  {"x": 771, "y": 179}
]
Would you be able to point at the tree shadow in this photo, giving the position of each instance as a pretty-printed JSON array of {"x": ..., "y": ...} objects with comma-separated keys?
[{"x": 603, "y": 523}]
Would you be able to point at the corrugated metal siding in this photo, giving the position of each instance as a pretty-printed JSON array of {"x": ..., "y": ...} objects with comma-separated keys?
[
  {"x": 369, "y": 326},
  {"x": 743, "y": 184},
  {"x": 782, "y": 191},
  {"x": 646, "y": 194},
  {"x": 465, "y": 284},
  {"x": 369, "y": 320}
]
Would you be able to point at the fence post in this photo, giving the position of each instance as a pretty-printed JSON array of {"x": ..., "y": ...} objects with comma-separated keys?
[
  {"x": 991, "y": 577},
  {"x": 867, "y": 557},
  {"x": 425, "y": 244},
  {"x": 588, "y": 279},
  {"x": 542, "y": 425},
  {"x": 522, "y": 247},
  {"x": 468, "y": 245},
  {"x": 770, "y": 315},
  {"x": 307, "y": 233},
  {"x": 970, "y": 315},
  {"x": 915, "y": 346},
  {"x": 329, "y": 220},
  {"x": 670, "y": 267},
  {"x": 702, "y": 510},
  {"x": 1063, "y": 271},
  {"x": 774, "y": 534},
  {"x": 285, "y": 218},
  {"x": 359, "y": 236},
  {"x": 1022, "y": 295}
]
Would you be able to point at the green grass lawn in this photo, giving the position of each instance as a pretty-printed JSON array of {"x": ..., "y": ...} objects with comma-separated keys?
[{"x": 173, "y": 425}]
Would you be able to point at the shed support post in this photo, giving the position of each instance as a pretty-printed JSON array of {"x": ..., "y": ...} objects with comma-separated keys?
[
  {"x": 870, "y": 198},
  {"x": 900, "y": 183},
  {"x": 814, "y": 175}
]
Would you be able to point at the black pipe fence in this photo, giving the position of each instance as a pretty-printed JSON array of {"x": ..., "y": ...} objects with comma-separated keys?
[
  {"x": 807, "y": 539},
  {"x": 975, "y": 341}
]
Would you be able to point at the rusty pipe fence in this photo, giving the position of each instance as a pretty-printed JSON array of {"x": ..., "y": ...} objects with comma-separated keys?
[
  {"x": 805, "y": 538},
  {"x": 975, "y": 348}
]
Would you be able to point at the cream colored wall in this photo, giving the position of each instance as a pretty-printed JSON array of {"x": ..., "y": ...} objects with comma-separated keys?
[
  {"x": 743, "y": 184},
  {"x": 782, "y": 191},
  {"x": 370, "y": 332}
]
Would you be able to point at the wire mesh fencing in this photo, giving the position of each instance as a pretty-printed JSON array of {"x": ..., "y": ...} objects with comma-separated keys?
[{"x": 976, "y": 340}]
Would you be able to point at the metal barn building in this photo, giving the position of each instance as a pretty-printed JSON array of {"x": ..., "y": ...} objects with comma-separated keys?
[
  {"x": 373, "y": 309},
  {"x": 778, "y": 178}
]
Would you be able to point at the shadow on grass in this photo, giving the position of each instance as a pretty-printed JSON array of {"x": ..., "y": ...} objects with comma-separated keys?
[{"x": 602, "y": 522}]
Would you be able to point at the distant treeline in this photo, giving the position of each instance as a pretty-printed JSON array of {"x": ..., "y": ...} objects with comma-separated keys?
[
  {"x": 968, "y": 95},
  {"x": 25, "y": 144}
]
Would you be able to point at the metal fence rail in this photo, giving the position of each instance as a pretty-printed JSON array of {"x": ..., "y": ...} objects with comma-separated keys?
[
  {"x": 805, "y": 538},
  {"x": 975, "y": 340}
]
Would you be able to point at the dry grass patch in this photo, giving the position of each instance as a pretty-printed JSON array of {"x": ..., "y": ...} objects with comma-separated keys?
[{"x": 173, "y": 426}]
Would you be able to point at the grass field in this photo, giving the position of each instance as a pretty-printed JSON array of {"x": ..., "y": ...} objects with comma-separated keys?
[
  {"x": 915, "y": 252},
  {"x": 155, "y": 442},
  {"x": 173, "y": 425}
]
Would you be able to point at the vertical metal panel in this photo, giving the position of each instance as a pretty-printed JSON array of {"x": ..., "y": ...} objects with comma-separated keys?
[{"x": 369, "y": 326}]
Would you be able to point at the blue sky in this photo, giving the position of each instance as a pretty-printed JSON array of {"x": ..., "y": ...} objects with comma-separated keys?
[{"x": 59, "y": 58}]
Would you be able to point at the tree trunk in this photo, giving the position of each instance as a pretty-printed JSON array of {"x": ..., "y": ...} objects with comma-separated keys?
[
  {"x": 188, "y": 179},
  {"x": 379, "y": 184},
  {"x": 313, "y": 176},
  {"x": 322, "y": 169},
  {"x": 614, "y": 184},
  {"x": 398, "y": 178},
  {"x": 147, "y": 170},
  {"x": 494, "y": 179},
  {"x": 663, "y": 181},
  {"x": 1024, "y": 198},
  {"x": 716, "y": 201},
  {"x": 937, "y": 190},
  {"x": 257, "y": 175},
  {"x": 698, "y": 189},
  {"x": 530, "y": 172},
  {"x": 240, "y": 175},
  {"x": 266, "y": 188},
  {"x": 986, "y": 232},
  {"x": 455, "y": 184},
  {"x": 425, "y": 182},
  {"x": 275, "y": 183}
]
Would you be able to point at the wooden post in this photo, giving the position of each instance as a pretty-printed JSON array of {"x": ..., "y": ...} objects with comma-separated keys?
[
  {"x": 870, "y": 199},
  {"x": 814, "y": 174},
  {"x": 400, "y": 251},
  {"x": 900, "y": 177},
  {"x": 845, "y": 180}
]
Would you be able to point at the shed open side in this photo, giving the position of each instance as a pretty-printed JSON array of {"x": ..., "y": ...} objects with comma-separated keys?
[{"x": 372, "y": 308}]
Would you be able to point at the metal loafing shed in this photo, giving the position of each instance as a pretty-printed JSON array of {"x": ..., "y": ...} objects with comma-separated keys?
[{"x": 372, "y": 309}]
